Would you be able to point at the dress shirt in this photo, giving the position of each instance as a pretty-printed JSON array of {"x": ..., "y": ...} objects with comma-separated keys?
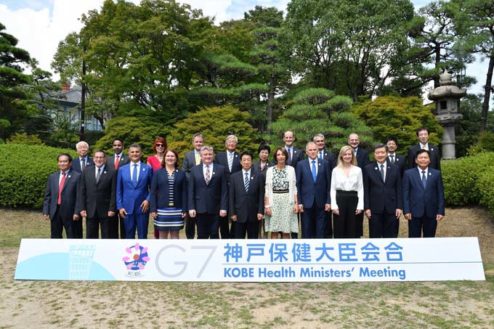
[
  {"x": 210, "y": 170},
  {"x": 392, "y": 157},
  {"x": 354, "y": 182},
  {"x": 61, "y": 175},
  {"x": 96, "y": 171},
  {"x": 132, "y": 170},
  {"x": 426, "y": 172},
  {"x": 424, "y": 146}
]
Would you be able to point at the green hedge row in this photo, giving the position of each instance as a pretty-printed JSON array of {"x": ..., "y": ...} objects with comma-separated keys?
[{"x": 24, "y": 170}]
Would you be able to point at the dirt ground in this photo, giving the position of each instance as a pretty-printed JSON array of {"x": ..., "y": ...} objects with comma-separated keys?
[{"x": 254, "y": 305}]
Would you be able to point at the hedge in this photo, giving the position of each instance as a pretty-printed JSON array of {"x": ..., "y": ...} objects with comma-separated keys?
[{"x": 24, "y": 170}]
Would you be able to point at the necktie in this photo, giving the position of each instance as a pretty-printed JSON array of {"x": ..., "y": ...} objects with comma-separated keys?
[
  {"x": 392, "y": 158},
  {"x": 83, "y": 163},
  {"x": 117, "y": 161},
  {"x": 313, "y": 169},
  {"x": 382, "y": 172},
  {"x": 134, "y": 174},
  {"x": 98, "y": 175},
  {"x": 320, "y": 155},
  {"x": 197, "y": 157},
  {"x": 230, "y": 161},
  {"x": 289, "y": 149},
  {"x": 207, "y": 177},
  {"x": 424, "y": 179},
  {"x": 246, "y": 182},
  {"x": 60, "y": 187}
]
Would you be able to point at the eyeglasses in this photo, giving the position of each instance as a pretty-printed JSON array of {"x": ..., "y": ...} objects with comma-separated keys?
[{"x": 159, "y": 145}]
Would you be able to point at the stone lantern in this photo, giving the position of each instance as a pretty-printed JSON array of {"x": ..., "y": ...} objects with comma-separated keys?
[{"x": 447, "y": 97}]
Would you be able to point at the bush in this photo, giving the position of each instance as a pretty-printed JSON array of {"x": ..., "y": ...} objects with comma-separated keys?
[
  {"x": 485, "y": 184},
  {"x": 24, "y": 170},
  {"x": 23, "y": 138}
]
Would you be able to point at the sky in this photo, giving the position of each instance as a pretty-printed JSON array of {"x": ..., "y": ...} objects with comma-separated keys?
[{"x": 40, "y": 25}]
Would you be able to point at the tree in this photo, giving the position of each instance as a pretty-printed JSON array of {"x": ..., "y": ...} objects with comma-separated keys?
[{"x": 399, "y": 117}]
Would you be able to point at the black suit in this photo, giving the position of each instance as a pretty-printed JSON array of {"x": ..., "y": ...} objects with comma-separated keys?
[
  {"x": 62, "y": 215},
  {"x": 98, "y": 198},
  {"x": 296, "y": 156},
  {"x": 331, "y": 160},
  {"x": 246, "y": 204},
  {"x": 207, "y": 199},
  {"x": 382, "y": 198},
  {"x": 433, "y": 150},
  {"x": 187, "y": 165},
  {"x": 362, "y": 161},
  {"x": 399, "y": 161},
  {"x": 76, "y": 163}
]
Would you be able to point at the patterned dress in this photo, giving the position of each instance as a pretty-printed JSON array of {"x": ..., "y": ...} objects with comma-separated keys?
[
  {"x": 169, "y": 218},
  {"x": 283, "y": 218}
]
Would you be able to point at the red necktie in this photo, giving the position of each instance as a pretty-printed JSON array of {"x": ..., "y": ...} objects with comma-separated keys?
[
  {"x": 117, "y": 161},
  {"x": 60, "y": 188}
]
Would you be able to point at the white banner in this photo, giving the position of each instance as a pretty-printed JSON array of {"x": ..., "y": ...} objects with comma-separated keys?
[{"x": 251, "y": 260}]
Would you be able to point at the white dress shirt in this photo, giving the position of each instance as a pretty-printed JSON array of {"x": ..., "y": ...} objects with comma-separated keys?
[{"x": 352, "y": 182}]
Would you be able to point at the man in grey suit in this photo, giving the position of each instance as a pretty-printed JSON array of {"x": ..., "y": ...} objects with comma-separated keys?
[{"x": 118, "y": 158}]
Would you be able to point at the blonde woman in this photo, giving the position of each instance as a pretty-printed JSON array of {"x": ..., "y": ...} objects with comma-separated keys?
[{"x": 347, "y": 194}]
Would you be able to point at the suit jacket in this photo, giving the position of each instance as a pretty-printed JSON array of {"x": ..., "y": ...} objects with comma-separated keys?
[
  {"x": 362, "y": 157},
  {"x": 246, "y": 204},
  {"x": 435, "y": 156},
  {"x": 298, "y": 155},
  {"x": 110, "y": 162},
  {"x": 69, "y": 206},
  {"x": 76, "y": 164},
  {"x": 221, "y": 158},
  {"x": 130, "y": 195},
  {"x": 208, "y": 198},
  {"x": 420, "y": 201},
  {"x": 400, "y": 162},
  {"x": 312, "y": 193},
  {"x": 382, "y": 197},
  {"x": 329, "y": 157},
  {"x": 97, "y": 198},
  {"x": 257, "y": 167},
  {"x": 160, "y": 194},
  {"x": 189, "y": 162}
]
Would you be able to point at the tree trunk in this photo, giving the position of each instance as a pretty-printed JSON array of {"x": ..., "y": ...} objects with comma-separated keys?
[{"x": 487, "y": 94}]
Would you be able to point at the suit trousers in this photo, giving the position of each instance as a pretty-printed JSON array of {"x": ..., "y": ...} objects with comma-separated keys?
[
  {"x": 57, "y": 224},
  {"x": 190, "y": 227},
  {"x": 313, "y": 222},
  {"x": 225, "y": 228},
  {"x": 207, "y": 226},
  {"x": 250, "y": 227},
  {"x": 77, "y": 229},
  {"x": 422, "y": 225},
  {"x": 109, "y": 227},
  {"x": 383, "y": 226},
  {"x": 139, "y": 222},
  {"x": 345, "y": 224},
  {"x": 328, "y": 233}
]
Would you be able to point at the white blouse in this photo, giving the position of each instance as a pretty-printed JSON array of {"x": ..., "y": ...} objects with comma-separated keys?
[{"x": 352, "y": 182}]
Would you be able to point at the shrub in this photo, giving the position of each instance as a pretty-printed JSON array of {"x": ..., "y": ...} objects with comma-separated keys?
[
  {"x": 24, "y": 170},
  {"x": 485, "y": 184}
]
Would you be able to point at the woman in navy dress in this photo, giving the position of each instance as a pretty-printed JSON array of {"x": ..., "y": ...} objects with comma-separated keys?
[{"x": 168, "y": 197}]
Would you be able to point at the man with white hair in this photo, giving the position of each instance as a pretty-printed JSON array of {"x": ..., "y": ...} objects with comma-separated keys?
[{"x": 83, "y": 160}]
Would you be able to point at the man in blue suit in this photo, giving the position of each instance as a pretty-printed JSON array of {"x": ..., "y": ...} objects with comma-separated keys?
[
  {"x": 133, "y": 186},
  {"x": 313, "y": 189},
  {"x": 208, "y": 195},
  {"x": 382, "y": 195},
  {"x": 423, "y": 197}
]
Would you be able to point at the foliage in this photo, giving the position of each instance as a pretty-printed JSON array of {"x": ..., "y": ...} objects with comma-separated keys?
[
  {"x": 24, "y": 170},
  {"x": 215, "y": 123},
  {"x": 486, "y": 187},
  {"x": 399, "y": 117},
  {"x": 485, "y": 143},
  {"x": 25, "y": 139}
]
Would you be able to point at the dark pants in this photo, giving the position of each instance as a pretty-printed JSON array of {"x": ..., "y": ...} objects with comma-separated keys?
[
  {"x": 419, "y": 225},
  {"x": 225, "y": 228},
  {"x": 313, "y": 222},
  {"x": 328, "y": 233},
  {"x": 207, "y": 226},
  {"x": 190, "y": 227},
  {"x": 249, "y": 227},
  {"x": 359, "y": 219},
  {"x": 57, "y": 224},
  {"x": 109, "y": 227},
  {"x": 121, "y": 225},
  {"x": 139, "y": 222},
  {"x": 345, "y": 224},
  {"x": 383, "y": 226},
  {"x": 77, "y": 229}
]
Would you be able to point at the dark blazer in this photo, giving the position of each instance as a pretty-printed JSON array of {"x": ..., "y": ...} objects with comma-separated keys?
[
  {"x": 130, "y": 195},
  {"x": 435, "y": 156},
  {"x": 76, "y": 164},
  {"x": 110, "y": 162},
  {"x": 207, "y": 198},
  {"x": 221, "y": 158},
  {"x": 329, "y": 157},
  {"x": 400, "y": 162},
  {"x": 69, "y": 206},
  {"x": 298, "y": 155},
  {"x": 257, "y": 167},
  {"x": 97, "y": 198},
  {"x": 189, "y": 162},
  {"x": 246, "y": 205},
  {"x": 362, "y": 157},
  {"x": 310, "y": 192},
  {"x": 160, "y": 195},
  {"x": 420, "y": 201},
  {"x": 382, "y": 197}
]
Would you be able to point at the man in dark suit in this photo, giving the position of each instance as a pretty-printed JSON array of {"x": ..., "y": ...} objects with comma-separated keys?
[
  {"x": 192, "y": 159},
  {"x": 393, "y": 157},
  {"x": 83, "y": 160},
  {"x": 97, "y": 199},
  {"x": 132, "y": 195},
  {"x": 382, "y": 195},
  {"x": 435, "y": 157},
  {"x": 118, "y": 158},
  {"x": 362, "y": 156},
  {"x": 313, "y": 189},
  {"x": 60, "y": 201},
  {"x": 294, "y": 154},
  {"x": 246, "y": 195},
  {"x": 208, "y": 195},
  {"x": 423, "y": 197},
  {"x": 231, "y": 161}
]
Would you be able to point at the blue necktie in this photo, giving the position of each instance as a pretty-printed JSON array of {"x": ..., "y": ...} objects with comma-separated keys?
[
  {"x": 134, "y": 174},
  {"x": 424, "y": 179},
  {"x": 313, "y": 169}
]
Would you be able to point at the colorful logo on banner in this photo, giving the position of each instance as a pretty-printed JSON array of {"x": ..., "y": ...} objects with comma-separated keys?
[{"x": 136, "y": 259}]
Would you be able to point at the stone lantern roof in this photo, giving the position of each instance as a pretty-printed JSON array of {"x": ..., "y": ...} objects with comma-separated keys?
[{"x": 446, "y": 89}]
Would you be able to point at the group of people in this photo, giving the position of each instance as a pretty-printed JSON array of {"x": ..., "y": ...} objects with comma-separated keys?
[{"x": 229, "y": 195}]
